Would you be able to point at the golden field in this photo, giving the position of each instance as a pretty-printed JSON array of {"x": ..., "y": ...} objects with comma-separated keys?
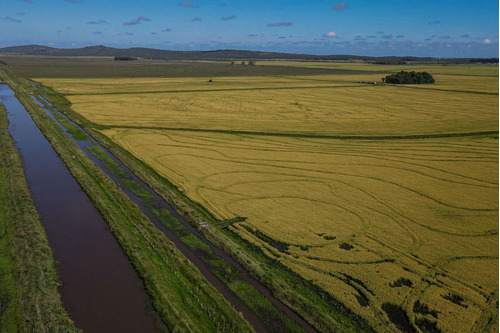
[
  {"x": 353, "y": 214},
  {"x": 335, "y": 105},
  {"x": 431, "y": 209}
]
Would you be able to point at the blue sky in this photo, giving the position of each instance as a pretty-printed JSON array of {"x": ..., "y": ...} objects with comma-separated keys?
[{"x": 437, "y": 28}]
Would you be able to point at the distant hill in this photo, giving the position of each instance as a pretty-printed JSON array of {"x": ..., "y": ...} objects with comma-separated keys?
[{"x": 139, "y": 52}]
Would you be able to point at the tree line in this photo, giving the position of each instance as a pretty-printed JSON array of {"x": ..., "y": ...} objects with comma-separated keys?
[
  {"x": 125, "y": 58},
  {"x": 250, "y": 63},
  {"x": 409, "y": 78}
]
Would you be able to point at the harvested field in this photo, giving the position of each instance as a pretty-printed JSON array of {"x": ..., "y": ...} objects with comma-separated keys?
[{"x": 381, "y": 195}]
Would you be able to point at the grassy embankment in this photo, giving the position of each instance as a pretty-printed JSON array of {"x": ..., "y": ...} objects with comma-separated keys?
[
  {"x": 29, "y": 299},
  {"x": 183, "y": 299},
  {"x": 353, "y": 231}
]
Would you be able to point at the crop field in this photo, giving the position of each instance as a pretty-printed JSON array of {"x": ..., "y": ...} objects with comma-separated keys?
[
  {"x": 323, "y": 105},
  {"x": 385, "y": 196}
]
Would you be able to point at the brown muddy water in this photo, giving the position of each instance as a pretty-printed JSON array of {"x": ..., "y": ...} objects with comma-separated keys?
[{"x": 100, "y": 289}]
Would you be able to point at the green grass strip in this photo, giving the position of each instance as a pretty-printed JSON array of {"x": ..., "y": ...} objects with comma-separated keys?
[{"x": 29, "y": 299}]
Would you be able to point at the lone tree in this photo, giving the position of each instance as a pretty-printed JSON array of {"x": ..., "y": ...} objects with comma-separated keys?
[{"x": 409, "y": 78}]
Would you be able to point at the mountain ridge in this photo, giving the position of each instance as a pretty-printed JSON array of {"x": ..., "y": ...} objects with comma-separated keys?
[{"x": 220, "y": 54}]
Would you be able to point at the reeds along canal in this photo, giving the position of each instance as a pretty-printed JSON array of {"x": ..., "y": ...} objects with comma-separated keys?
[
  {"x": 204, "y": 255},
  {"x": 100, "y": 289}
]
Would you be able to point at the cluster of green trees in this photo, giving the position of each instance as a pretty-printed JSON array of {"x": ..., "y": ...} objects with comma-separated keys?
[
  {"x": 409, "y": 78},
  {"x": 125, "y": 58},
  {"x": 250, "y": 63},
  {"x": 389, "y": 62}
]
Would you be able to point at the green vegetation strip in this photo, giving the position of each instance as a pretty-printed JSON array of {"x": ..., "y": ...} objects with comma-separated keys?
[
  {"x": 184, "y": 300},
  {"x": 29, "y": 300},
  {"x": 72, "y": 129},
  {"x": 231, "y": 277}
]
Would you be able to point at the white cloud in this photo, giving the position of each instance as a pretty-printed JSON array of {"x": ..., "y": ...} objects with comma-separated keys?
[
  {"x": 330, "y": 34},
  {"x": 487, "y": 41}
]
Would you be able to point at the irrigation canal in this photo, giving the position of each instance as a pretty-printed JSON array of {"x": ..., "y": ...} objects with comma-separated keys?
[{"x": 100, "y": 289}]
